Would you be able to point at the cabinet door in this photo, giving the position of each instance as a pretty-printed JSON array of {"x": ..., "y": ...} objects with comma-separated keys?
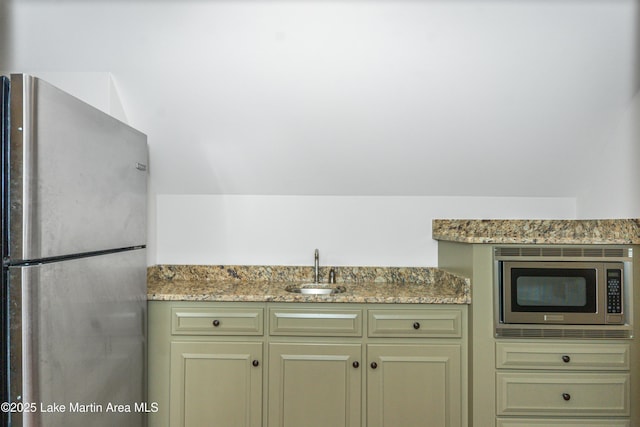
[
  {"x": 314, "y": 385},
  {"x": 216, "y": 383},
  {"x": 413, "y": 385}
]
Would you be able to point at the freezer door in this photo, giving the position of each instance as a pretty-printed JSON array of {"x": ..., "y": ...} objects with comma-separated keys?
[
  {"x": 78, "y": 341},
  {"x": 4, "y": 137},
  {"x": 78, "y": 176}
]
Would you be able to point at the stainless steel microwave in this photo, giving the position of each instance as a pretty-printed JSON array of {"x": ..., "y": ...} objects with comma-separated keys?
[{"x": 566, "y": 293}]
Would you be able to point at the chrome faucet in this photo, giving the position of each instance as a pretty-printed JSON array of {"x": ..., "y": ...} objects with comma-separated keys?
[{"x": 316, "y": 266}]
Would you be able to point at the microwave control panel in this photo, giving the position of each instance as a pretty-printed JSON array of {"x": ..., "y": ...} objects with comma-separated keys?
[{"x": 614, "y": 291}]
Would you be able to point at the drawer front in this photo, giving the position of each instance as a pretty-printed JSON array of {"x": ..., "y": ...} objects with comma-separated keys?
[
  {"x": 415, "y": 323},
  {"x": 217, "y": 321},
  {"x": 569, "y": 394},
  {"x": 558, "y": 422},
  {"x": 562, "y": 356},
  {"x": 315, "y": 322}
]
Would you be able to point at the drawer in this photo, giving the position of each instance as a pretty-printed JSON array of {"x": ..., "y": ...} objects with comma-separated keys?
[
  {"x": 568, "y": 394},
  {"x": 315, "y": 322},
  {"x": 217, "y": 321},
  {"x": 562, "y": 356},
  {"x": 415, "y": 323},
  {"x": 560, "y": 422}
]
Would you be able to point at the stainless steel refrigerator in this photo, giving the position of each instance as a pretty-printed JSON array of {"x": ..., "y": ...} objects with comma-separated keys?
[{"x": 74, "y": 183}]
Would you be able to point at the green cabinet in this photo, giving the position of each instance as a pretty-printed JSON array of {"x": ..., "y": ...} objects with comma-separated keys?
[
  {"x": 531, "y": 381},
  {"x": 408, "y": 384},
  {"x": 218, "y": 381},
  {"x": 314, "y": 385},
  {"x": 415, "y": 367},
  {"x": 307, "y": 365},
  {"x": 206, "y": 364},
  {"x": 539, "y": 379},
  {"x": 315, "y": 373}
]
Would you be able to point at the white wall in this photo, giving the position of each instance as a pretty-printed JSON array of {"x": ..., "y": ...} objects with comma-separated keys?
[
  {"x": 612, "y": 185},
  {"x": 614, "y": 188},
  {"x": 350, "y": 97},
  {"x": 284, "y": 230}
]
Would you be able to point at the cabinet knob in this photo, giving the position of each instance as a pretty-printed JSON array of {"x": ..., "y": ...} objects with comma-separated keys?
[
  {"x": 374, "y": 365},
  {"x": 356, "y": 364},
  {"x": 416, "y": 325},
  {"x": 216, "y": 323},
  {"x": 566, "y": 396},
  {"x": 256, "y": 363},
  {"x": 566, "y": 359}
]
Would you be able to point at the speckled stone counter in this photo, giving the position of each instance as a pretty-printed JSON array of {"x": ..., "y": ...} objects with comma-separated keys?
[
  {"x": 267, "y": 284},
  {"x": 593, "y": 232}
]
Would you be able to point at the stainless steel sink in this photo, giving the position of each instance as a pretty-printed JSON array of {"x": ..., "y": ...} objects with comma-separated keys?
[{"x": 315, "y": 289}]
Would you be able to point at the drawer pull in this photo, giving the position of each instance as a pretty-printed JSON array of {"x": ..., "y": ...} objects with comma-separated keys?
[
  {"x": 566, "y": 396},
  {"x": 374, "y": 365},
  {"x": 566, "y": 359},
  {"x": 256, "y": 363},
  {"x": 416, "y": 325},
  {"x": 216, "y": 323},
  {"x": 356, "y": 364}
]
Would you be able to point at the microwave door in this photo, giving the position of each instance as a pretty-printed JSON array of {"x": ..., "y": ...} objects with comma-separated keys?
[{"x": 566, "y": 293}]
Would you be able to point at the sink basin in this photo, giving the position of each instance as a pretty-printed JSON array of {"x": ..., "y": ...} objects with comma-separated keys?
[{"x": 315, "y": 289}]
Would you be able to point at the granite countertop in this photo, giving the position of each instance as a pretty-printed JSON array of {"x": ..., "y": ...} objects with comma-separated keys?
[
  {"x": 591, "y": 232},
  {"x": 267, "y": 284}
]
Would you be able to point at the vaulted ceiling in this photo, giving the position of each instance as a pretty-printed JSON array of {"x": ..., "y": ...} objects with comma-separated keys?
[{"x": 352, "y": 97}]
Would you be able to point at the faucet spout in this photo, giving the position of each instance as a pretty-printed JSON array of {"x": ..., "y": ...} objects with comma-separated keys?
[{"x": 316, "y": 266}]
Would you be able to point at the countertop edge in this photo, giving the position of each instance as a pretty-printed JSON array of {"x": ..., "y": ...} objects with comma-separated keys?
[
  {"x": 437, "y": 286},
  {"x": 318, "y": 299},
  {"x": 516, "y": 231}
]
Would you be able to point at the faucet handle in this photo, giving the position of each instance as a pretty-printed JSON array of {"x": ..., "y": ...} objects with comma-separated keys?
[{"x": 332, "y": 276}]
